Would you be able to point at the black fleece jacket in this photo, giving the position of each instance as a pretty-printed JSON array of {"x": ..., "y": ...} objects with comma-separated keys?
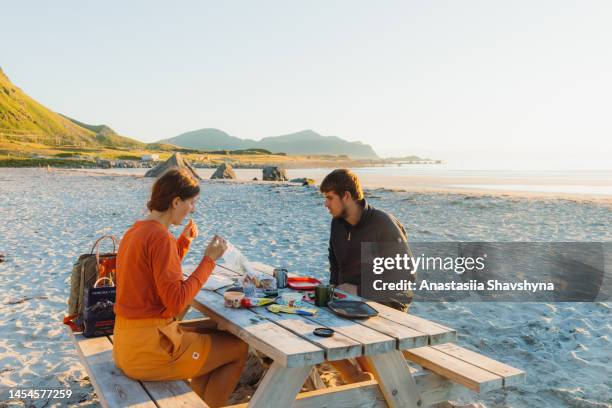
[{"x": 345, "y": 242}]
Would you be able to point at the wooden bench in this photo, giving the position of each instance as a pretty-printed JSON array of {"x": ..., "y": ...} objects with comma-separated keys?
[
  {"x": 114, "y": 389},
  {"x": 475, "y": 371},
  {"x": 460, "y": 365}
]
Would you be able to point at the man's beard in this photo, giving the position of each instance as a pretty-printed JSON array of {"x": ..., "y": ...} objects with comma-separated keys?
[{"x": 343, "y": 214}]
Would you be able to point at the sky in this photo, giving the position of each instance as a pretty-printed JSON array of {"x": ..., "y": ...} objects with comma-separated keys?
[{"x": 525, "y": 83}]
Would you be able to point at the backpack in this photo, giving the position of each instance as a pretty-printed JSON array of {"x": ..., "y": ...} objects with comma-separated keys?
[{"x": 86, "y": 271}]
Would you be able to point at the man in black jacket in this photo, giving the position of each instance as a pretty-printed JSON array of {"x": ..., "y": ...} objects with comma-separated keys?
[{"x": 355, "y": 222}]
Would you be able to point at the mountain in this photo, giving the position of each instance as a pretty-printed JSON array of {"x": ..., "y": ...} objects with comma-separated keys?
[
  {"x": 24, "y": 119},
  {"x": 306, "y": 142},
  {"x": 209, "y": 139},
  {"x": 310, "y": 142}
]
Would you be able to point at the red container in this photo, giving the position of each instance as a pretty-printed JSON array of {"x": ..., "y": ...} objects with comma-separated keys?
[{"x": 303, "y": 283}]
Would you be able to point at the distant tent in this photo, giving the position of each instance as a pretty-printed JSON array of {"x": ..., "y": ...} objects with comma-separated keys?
[{"x": 175, "y": 161}]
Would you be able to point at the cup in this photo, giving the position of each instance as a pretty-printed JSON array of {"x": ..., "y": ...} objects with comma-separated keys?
[
  {"x": 233, "y": 299},
  {"x": 281, "y": 276},
  {"x": 323, "y": 294}
]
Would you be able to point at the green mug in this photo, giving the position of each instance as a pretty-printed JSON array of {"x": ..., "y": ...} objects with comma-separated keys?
[{"x": 324, "y": 294}]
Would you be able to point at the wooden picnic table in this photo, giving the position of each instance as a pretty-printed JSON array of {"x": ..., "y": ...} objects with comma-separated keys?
[
  {"x": 289, "y": 340},
  {"x": 443, "y": 370}
]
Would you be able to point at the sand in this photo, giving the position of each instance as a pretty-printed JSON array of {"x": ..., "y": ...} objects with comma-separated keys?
[{"x": 50, "y": 218}]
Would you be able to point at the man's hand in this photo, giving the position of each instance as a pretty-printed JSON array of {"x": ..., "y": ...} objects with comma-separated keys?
[
  {"x": 190, "y": 231},
  {"x": 348, "y": 288}
]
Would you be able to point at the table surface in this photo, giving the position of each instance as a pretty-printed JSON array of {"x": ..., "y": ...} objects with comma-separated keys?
[{"x": 289, "y": 340}]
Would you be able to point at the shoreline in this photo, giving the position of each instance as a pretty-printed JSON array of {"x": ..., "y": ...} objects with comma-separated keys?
[{"x": 416, "y": 184}]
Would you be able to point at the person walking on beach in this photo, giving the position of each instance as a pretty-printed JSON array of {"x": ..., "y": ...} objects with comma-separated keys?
[
  {"x": 149, "y": 344},
  {"x": 355, "y": 222}
]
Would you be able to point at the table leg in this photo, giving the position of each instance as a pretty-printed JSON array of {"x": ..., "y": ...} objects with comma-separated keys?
[
  {"x": 279, "y": 386},
  {"x": 395, "y": 380}
]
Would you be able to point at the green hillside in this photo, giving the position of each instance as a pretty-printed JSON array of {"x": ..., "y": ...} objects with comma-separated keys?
[
  {"x": 22, "y": 119},
  {"x": 107, "y": 137}
]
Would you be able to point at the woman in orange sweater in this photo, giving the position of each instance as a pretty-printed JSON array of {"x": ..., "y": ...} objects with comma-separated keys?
[{"x": 149, "y": 344}]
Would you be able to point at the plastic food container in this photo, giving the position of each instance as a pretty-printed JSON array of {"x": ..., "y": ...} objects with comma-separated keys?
[
  {"x": 233, "y": 299},
  {"x": 292, "y": 299},
  {"x": 267, "y": 283}
]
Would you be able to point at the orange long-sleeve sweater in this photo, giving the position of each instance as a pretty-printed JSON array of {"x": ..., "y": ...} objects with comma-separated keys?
[{"x": 149, "y": 276}]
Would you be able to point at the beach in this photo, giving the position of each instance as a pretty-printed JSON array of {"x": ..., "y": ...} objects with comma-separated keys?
[
  {"x": 50, "y": 217},
  {"x": 583, "y": 186}
]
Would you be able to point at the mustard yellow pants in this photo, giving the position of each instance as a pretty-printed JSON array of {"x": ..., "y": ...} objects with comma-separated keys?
[{"x": 160, "y": 350}]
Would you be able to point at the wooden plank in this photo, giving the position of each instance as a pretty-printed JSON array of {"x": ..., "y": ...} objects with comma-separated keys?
[
  {"x": 173, "y": 394},
  {"x": 432, "y": 388},
  {"x": 279, "y": 386},
  {"x": 359, "y": 395},
  {"x": 337, "y": 347},
  {"x": 113, "y": 388},
  {"x": 511, "y": 376},
  {"x": 456, "y": 370},
  {"x": 395, "y": 380},
  {"x": 405, "y": 336},
  {"x": 283, "y": 346},
  {"x": 437, "y": 333},
  {"x": 373, "y": 341}
]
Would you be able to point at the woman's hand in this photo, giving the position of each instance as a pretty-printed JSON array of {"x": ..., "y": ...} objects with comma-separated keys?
[
  {"x": 216, "y": 247},
  {"x": 190, "y": 231}
]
